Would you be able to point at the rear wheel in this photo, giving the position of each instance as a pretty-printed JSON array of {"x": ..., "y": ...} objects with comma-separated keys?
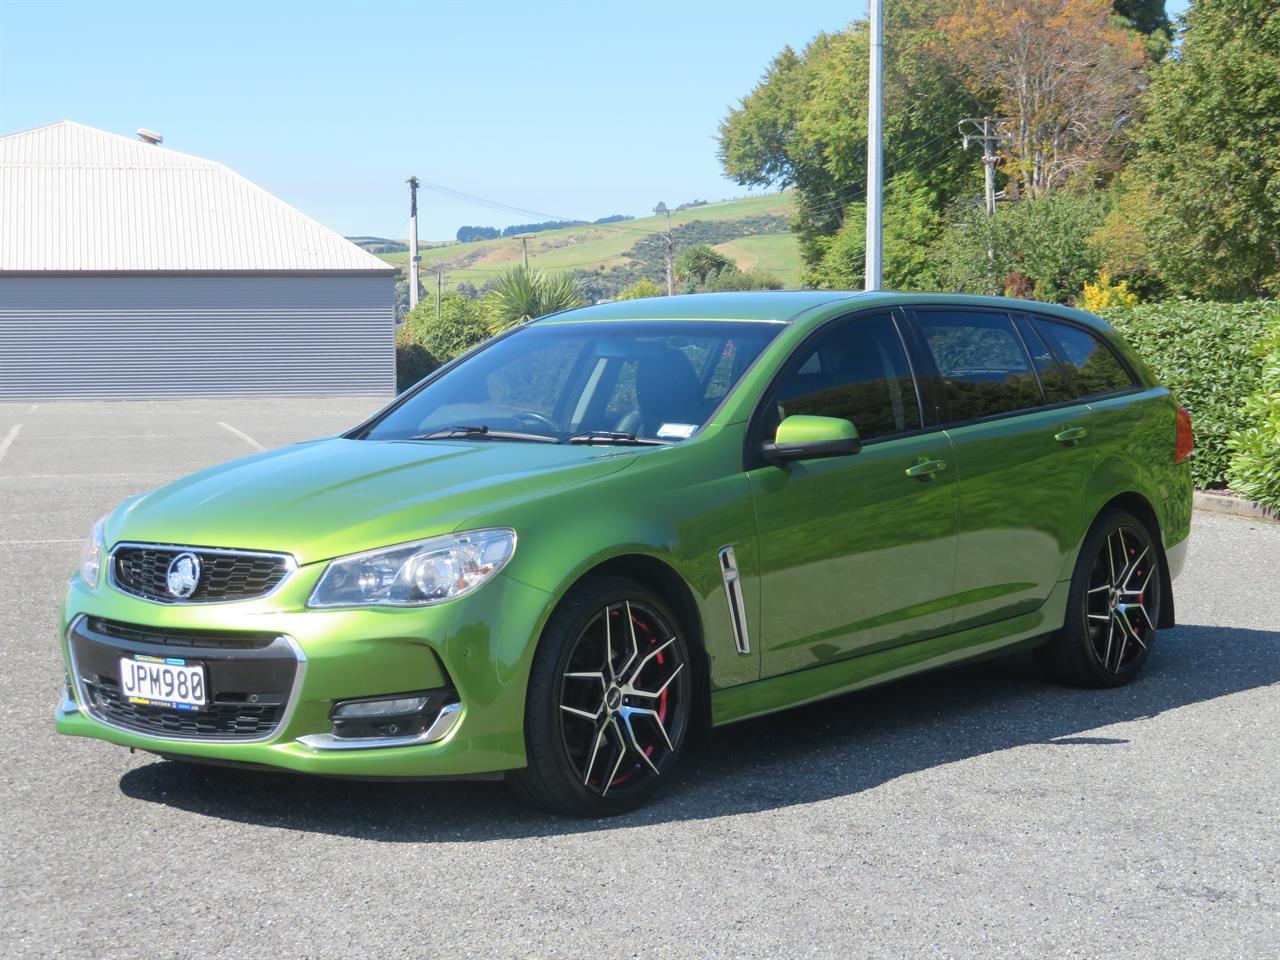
[
  {"x": 1112, "y": 608},
  {"x": 610, "y": 698}
]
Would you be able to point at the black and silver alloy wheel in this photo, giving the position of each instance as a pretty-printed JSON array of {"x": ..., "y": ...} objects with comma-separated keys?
[
  {"x": 609, "y": 703},
  {"x": 1122, "y": 594},
  {"x": 620, "y": 702},
  {"x": 1113, "y": 607}
]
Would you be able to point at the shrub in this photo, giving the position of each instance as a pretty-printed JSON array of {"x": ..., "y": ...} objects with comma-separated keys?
[
  {"x": 1254, "y": 470},
  {"x": 1107, "y": 293},
  {"x": 1204, "y": 353},
  {"x": 521, "y": 294},
  {"x": 640, "y": 290},
  {"x": 733, "y": 280},
  {"x": 422, "y": 344},
  {"x": 1038, "y": 247}
]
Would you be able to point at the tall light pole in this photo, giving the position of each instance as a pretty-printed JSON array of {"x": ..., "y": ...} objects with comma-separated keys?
[
  {"x": 413, "y": 241},
  {"x": 875, "y": 151}
]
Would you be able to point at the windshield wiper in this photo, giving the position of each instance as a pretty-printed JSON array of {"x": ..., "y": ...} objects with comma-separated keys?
[
  {"x": 613, "y": 437},
  {"x": 481, "y": 432}
]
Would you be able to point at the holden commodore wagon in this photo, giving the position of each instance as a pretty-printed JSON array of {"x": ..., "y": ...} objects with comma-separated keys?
[{"x": 560, "y": 556}]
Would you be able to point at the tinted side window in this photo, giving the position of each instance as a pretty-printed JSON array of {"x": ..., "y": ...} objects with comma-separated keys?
[
  {"x": 1053, "y": 379},
  {"x": 1093, "y": 367},
  {"x": 982, "y": 363},
  {"x": 858, "y": 371}
]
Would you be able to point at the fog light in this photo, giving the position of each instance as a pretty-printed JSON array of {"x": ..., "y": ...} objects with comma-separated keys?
[
  {"x": 368, "y": 709},
  {"x": 391, "y": 717}
]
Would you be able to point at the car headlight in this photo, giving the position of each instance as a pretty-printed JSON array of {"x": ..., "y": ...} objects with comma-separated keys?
[
  {"x": 91, "y": 554},
  {"x": 415, "y": 574}
]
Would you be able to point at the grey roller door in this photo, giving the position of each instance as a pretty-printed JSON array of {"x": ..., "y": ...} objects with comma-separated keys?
[{"x": 140, "y": 337}]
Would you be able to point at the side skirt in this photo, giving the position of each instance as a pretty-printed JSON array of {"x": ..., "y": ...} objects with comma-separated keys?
[{"x": 831, "y": 680}]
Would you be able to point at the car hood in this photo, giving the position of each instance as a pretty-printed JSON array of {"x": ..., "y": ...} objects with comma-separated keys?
[{"x": 326, "y": 498}]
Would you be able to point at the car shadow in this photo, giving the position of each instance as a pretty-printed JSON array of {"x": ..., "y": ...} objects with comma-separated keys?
[{"x": 834, "y": 748}]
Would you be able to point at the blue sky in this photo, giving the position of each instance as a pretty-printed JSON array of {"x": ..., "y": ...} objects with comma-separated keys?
[{"x": 577, "y": 109}]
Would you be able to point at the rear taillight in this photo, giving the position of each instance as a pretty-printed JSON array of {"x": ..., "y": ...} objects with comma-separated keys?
[{"x": 1184, "y": 441}]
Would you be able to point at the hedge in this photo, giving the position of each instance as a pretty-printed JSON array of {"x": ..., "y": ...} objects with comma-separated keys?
[
  {"x": 1206, "y": 354},
  {"x": 1255, "y": 451}
]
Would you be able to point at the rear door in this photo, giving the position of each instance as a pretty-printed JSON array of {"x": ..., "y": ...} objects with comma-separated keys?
[
  {"x": 1021, "y": 442},
  {"x": 855, "y": 553}
]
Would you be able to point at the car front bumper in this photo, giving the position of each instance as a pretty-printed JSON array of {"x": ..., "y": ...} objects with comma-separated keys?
[{"x": 480, "y": 645}]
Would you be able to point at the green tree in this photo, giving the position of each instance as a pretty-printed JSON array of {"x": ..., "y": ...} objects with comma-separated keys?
[
  {"x": 805, "y": 123},
  {"x": 698, "y": 263},
  {"x": 912, "y": 226},
  {"x": 1210, "y": 149},
  {"x": 518, "y": 295}
]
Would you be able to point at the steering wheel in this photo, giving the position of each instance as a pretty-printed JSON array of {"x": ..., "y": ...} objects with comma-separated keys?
[{"x": 528, "y": 416}]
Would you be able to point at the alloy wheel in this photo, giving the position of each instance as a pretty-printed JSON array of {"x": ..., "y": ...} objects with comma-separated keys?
[
  {"x": 1123, "y": 599},
  {"x": 624, "y": 699}
]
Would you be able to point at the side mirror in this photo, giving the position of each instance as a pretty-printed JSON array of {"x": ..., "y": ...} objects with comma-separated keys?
[{"x": 808, "y": 438}]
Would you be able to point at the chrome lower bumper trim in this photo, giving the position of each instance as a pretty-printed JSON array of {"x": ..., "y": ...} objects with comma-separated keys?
[
  {"x": 440, "y": 728},
  {"x": 68, "y": 705}
]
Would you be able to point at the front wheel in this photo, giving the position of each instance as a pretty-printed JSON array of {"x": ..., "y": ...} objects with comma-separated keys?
[
  {"x": 1112, "y": 608},
  {"x": 610, "y": 699}
]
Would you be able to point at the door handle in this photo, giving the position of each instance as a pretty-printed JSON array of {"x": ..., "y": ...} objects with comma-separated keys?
[
  {"x": 1070, "y": 434},
  {"x": 926, "y": 468}
]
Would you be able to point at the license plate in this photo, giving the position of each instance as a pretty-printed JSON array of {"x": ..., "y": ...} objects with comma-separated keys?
[{"x": 162, "y": 682}]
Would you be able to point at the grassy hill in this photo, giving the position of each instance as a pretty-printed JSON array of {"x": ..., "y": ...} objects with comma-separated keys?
[{"x": 752, "y": 232}]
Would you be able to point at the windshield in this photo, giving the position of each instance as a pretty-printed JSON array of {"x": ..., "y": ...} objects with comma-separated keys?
[{"x": 605, "y": 382}]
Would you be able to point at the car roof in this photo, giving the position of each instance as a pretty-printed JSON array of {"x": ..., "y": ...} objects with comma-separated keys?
[
  {"x": 784, "y": 306},
  {"x": 775, "y": 305}
]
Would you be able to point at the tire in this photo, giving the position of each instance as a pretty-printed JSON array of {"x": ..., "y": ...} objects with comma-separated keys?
[
  {"x": 610, "y": 701},
  {"x": 1113, "y": 606}
]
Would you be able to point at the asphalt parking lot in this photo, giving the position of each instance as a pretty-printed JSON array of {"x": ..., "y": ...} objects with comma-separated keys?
[{"x": 972, "y": 813}]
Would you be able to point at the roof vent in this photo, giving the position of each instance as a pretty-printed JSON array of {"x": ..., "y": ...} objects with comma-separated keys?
[{"x": 149, "y": 136}]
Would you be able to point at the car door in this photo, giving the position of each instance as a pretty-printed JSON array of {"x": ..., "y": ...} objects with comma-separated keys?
[
  {"x": 1021, "y": 446},
  {"x": 857, "y": 552}
]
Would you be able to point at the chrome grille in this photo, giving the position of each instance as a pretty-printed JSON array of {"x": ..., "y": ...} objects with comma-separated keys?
[{"x": 142, "y": 570}]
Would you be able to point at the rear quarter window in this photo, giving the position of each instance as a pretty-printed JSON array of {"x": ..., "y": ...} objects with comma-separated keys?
[{"x": 1092, "y": 366}]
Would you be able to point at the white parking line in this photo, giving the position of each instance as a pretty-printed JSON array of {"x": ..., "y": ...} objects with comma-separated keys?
[
  {"x": 8, "y": 439},
  {"x": 32, "y": 408},
  {"x": 128, "y": 436},
  {"x": 242, "y": 435},
  {"x": 25, "y": 543},
  {"x": 83, "y": 475}
]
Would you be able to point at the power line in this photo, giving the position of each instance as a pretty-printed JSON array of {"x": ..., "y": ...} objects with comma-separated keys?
[{"x": 524, "y": 211}]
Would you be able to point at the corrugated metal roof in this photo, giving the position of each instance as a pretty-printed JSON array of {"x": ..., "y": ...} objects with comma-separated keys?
[{"x": 73, "y": 198}]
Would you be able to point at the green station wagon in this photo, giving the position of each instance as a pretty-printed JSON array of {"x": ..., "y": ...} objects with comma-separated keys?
[{"x": 561, "y": 556}]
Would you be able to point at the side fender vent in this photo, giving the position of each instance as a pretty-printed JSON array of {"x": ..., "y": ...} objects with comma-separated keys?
[{"x": 733, "y": 590}]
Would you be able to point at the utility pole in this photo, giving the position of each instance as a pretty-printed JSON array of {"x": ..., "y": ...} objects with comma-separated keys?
[
  {"x": 985, "y": 131},
  {"x": 524, "y": 241},
  {"x": 671, "y": 275},
  {"x": 875, "y": 151},
  {"x": 413, "y": 241},
  {"x": 439, "y": 293}
]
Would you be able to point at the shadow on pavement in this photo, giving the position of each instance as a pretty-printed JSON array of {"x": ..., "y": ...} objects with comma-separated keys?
[{"x": 835, "y": 748}]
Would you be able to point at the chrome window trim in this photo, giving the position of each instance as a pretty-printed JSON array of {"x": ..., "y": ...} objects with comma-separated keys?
[
  {"x": 86, "y": 704},
  {"x": 733, "y": 592},
  {"x": 440, "y": 728},
  {"x": 291, "y": 567}
]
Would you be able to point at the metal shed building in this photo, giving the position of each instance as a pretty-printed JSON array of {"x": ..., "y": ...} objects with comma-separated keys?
[{"x": 131, "y": 271}]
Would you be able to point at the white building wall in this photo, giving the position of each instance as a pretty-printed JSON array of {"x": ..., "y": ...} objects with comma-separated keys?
[{"x": 151, "y": 337}]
